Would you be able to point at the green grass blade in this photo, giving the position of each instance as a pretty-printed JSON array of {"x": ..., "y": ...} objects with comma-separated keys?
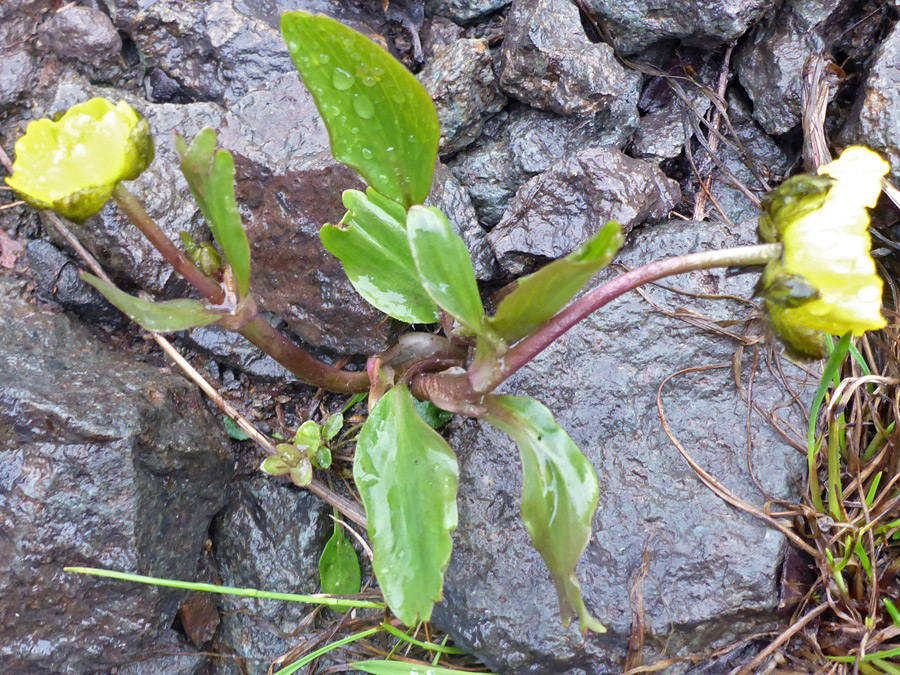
[
  {"x": 225, "y": 590},
  {"x": 312, "y": 656},
  {"x": 430, "y": 646}
]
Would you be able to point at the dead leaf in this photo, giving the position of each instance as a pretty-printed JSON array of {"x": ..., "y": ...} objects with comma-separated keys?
[{"x": 9, "y": 248}]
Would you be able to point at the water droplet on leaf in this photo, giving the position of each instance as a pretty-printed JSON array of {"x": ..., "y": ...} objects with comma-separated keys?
[
  {"x": 363, "y": 107},
  {"x": 341, "y": 79}
]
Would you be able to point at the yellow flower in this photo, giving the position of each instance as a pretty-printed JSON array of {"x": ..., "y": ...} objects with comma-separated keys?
[
  {"x": 72, "y": 165},
  {"x": 825, "y": 280}
]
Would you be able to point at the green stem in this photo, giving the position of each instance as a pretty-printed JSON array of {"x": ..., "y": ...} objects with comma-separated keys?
[
  {"x": 258, "y": 331},
  {"x": 535, "y": 343}
]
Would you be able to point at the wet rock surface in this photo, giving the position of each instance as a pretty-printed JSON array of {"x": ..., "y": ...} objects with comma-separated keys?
[
  {"x": 461, "y": 82},
  {"x": 270, "y": 536},
  {"x": 86, "y": 36},
  {"x": 463, "y": 11},
  {"x": 875, "y": 118},
  {"x": 129, "y": 482},
  {"x": 549, "y": 63},
  {"x": 707, "y": 588},
  {"x": 638, "y": 24},
  {"x": 558, "y": 210}
]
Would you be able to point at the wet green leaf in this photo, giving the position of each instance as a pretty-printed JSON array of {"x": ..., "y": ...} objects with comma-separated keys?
[
  {"x": 380, "y": 119},
  {"x": 432, "y": 415},
  {"x": 444, "y": 266},
  {"x": 333, "y": 426},
  {"x": 407, "y": 477},
  {"x": 302, "y": 474},
  {"x": 539, "y": 296},
  {"x": 374, "y": 249},
  {"x": 321, "y": 458},
  {"x": 159, "y": 317},
  {"x": 309, "y": 436},
  {"x": 234, "y": 431},
  {"x": 559, "y": 495},
  {"x": 339, "y": 571},
  {"x": 274, "y": 466},
  {"x": 210, "y": 175}
]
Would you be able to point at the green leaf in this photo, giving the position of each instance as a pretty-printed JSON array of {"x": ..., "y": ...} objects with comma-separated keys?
[
  {"x": 559, "y": 495},
  {"x": 309, "y": 436},
  {"x": 432, "y": 415},
  {"x": 158, "y": 317},
  {"x": 339, "y": 571},
  {"x": 402, "y": 668},
  {"x": 374, "y": 249},
  {"x": 380, "y": 119},
  {"x": 333, "y": 426},
  {"x": 210, "y": 175},
  {"x": 539, "y": 296},
  {"x": 407, "y": 477},
  {"x": 444, "y": 266},
  {"x": 234, "y": 431}
]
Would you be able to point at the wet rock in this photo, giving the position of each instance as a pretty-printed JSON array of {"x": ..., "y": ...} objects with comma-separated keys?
[
  {"x": 770, "y": 65},
  {"x": 463, "y": 11},
  {"x": 270, "y": 536},
  {"x": 223, "y": 49},
  {"x": 437, "y": 35},
  {"x": 18, "y": 22},
  {"x": 86, "y": 36},
  {"x": 128, "y": 482},
  {"x": 712, "y": 566},
  {"x": 57, "y": 280},
  {"x": 16, "y": 71},
  {"x": 461, "y": 82},
  {"x": 558, "y": 210},
  {"x": 661, "y": 134},
  {"x": 549, "y": 63},
  {"x": 293, "y": 275},
  {"x": 239, "y": 353},
  {"x": 637, "y": 24},
  {"x": 161, "y": 88},
  {"x": 522, "y": 142},
  {"x": 765, "y": 159},
  {"x": 451, "y": 197},
  {"x": 176, "y": 658},
  {"x": 875, "y": 118}
]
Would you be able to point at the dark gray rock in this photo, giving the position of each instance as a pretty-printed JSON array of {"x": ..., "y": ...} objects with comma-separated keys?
[
  {"x": 223, "y": 49},
  {"x": 661, "y": 133},
  {"x": 549, "y": 63},
  {"x": 57, "y": 280},
  {"x": 558, "y": 210},
  {"x": 463, "y": 11},
  {"x": 520, "y": 143},
  {"x": 86, "y": 36},
  {"x": 461, "y": 82},
  {"x": 712, "y": 567},
  {"x": 439, "y": 34},
  {"x": 172, "y": 658},
  {"x": 270, "y": 536},
  {"x": 239, "y": 352},
  {"x": 875, "y": 118},
  {"x": 638, "y": 24},
  {"x": 18, "y": 66},
  {"x": 770, "y": 65},
  {"x": 451, "y": 197},
  {"x": 768, "y": 160},
  {"x": 104, "y": 462}
]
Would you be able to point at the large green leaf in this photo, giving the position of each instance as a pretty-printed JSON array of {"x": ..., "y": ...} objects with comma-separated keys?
[
  {"x": 539, "y": 296},
  {"x": 159, "y": 317},
  {"x": 372, "y": 245},
  {"x": 444, "y": 266},
  {"x": 380, "y": 120},
  {"x": 407, "y": 477},
  {"x": 210, "y": 175},
  {"x": 559, "y": 495}
]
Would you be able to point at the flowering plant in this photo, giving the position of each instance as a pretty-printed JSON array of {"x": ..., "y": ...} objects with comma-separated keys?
[{"x": 73, "y": 164}]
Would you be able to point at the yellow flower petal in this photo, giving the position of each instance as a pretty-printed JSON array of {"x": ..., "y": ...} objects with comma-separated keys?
[
  {"x": 829, "y": 248},
  {"x": 73, "y": 164}
]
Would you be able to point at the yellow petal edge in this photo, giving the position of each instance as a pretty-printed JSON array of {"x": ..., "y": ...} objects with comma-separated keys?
[
  {"x": 830, "y": 248},
  {"x": 72, "y": 165}
]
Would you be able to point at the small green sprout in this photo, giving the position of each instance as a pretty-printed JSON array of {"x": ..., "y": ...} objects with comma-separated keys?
[{"x": 73, "y": 164}]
